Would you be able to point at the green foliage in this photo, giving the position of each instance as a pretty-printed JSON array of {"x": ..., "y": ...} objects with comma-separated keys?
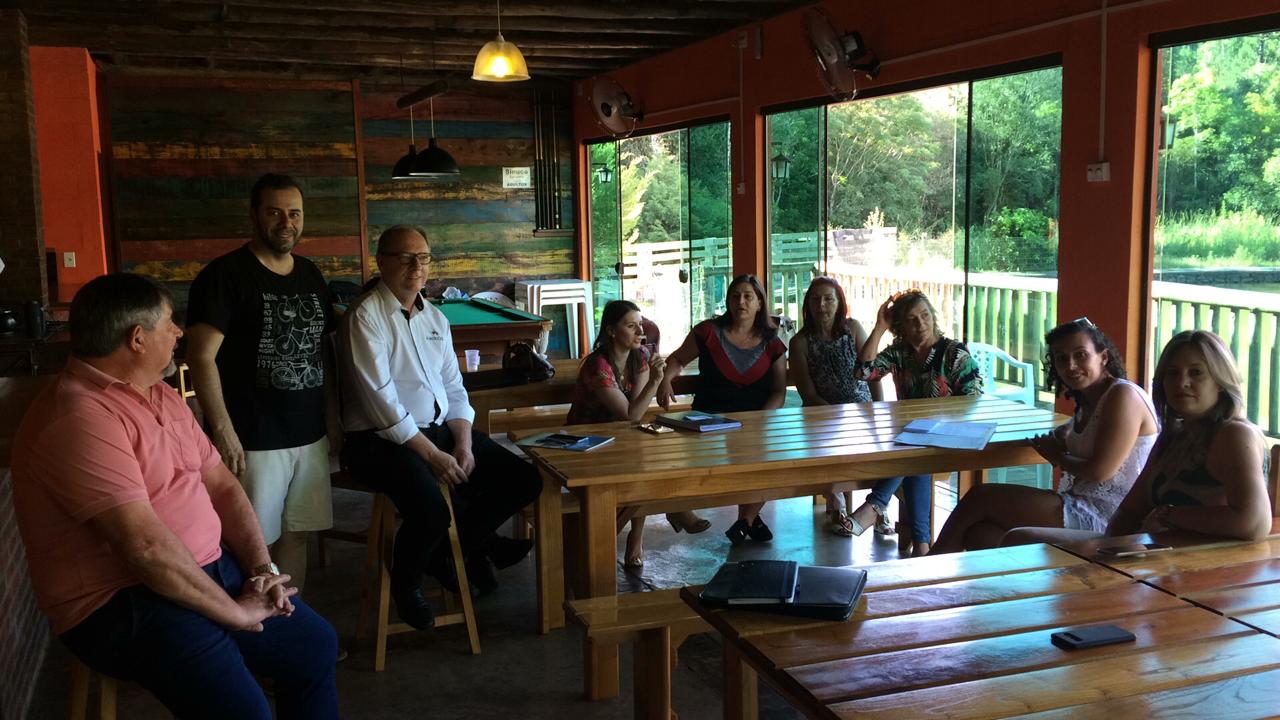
[{"x": 1207, "y": 239}]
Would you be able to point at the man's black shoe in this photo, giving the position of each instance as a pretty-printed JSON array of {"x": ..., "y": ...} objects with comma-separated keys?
[
  {"x": 480, "y": 575},
  {"x": 505, "y": 552},
  {"x": 414, "y": 609}
]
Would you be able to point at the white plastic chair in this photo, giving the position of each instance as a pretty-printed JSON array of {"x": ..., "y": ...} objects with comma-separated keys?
[{"x": 986, "y": 356}]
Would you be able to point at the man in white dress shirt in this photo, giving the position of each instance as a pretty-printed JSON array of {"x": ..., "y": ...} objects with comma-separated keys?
[{"x": 408, "y": 423}]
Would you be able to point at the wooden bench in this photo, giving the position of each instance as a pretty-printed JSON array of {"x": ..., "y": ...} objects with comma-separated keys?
[{"x": 656, "y": 622}]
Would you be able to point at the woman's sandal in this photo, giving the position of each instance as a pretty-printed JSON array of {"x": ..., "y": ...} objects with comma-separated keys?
[
  {"x": 839, "y": 524},
  {"x": 866, "y": 516},
  {"x": 688, "y": 522},
  {"x": 737, "y": 532}
]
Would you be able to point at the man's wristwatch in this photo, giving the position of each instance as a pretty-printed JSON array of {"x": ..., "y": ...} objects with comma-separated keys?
[{"x": 267, "y": 568}]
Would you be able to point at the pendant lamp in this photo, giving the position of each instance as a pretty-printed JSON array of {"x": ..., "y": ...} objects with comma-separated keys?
[
  {"x": 433, "y": 163},
  {"x": 405, "y": 164},
  {"x": 499, "y": 60}
]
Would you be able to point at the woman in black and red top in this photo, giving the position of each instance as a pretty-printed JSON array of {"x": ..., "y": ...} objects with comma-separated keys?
[{"x": 741, "y": 366}]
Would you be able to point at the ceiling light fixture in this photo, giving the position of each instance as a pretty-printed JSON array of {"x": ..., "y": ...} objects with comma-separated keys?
[
  {"x": 433, "y": 163},
  {"x": 405, "y": 164},
  {"x": 499, "y": 60}
]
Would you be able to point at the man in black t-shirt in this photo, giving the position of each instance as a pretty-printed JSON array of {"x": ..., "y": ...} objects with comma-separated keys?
[{"x": 258, "y": 320}]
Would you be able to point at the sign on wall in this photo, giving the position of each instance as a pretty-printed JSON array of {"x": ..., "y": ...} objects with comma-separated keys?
[{"x": 517, "y": 177}]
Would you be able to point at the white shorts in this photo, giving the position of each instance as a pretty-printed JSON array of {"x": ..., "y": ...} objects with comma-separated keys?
[{"x": 289, "y": 488}]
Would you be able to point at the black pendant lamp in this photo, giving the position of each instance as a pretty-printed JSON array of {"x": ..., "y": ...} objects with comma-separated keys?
[
  {"x": 405, "y": 164},
  {"x": 433, "y": 163}
]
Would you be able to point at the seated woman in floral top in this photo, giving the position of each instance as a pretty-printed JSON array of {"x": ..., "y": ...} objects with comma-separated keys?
[
  {"x": 923, "y": 364},
  {"x": 822, "y": 358},
  {"x": 616, "y": 382}
]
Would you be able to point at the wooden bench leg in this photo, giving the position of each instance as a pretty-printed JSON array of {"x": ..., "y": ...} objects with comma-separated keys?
[
  {"x": 741, "y": 696},
  {"x": 79, "y": 700},
  {"x": 652, "y": 675},
  {"x": 106, "y": 698}
]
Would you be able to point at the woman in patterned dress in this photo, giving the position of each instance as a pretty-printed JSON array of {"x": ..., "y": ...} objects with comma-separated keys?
[
  {"x": 822, "y": 358},
  {"x": 616, "y": 382}
]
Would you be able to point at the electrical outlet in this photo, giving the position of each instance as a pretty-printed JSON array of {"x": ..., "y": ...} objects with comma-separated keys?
[
  {"x": 742, "y": 39},
  {"x": 1099, "y": 172},
  {"x": 742, "y": 188},
  {"x": 68, "y": 259}
]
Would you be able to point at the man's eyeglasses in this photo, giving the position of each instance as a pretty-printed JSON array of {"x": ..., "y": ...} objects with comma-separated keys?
[{"x": 410, "y": 258}]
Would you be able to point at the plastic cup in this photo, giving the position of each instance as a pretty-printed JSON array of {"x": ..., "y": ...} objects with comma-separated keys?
[{"x": 473, "y": 360}]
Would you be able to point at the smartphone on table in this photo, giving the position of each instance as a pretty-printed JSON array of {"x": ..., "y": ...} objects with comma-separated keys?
[
  {"x": 1093, "y": 636},
  {"x": 655, "y": 428},
  {"x": 1133, "y": 549}
]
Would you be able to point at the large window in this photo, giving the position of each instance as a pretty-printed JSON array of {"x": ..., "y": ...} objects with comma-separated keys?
[
  {"x": 661, "y": 231},
  {"x": 1217, "y": 232},
  {"x": 953, "y": 190}
]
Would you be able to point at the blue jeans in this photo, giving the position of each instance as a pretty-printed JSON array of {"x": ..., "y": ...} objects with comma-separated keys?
[
  {"x": 918, "y": 512},
  {"x": 198, "y": 668}
]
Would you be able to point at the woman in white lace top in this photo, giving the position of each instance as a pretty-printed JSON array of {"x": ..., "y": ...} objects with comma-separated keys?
[{"x": 1101, "y": 451}]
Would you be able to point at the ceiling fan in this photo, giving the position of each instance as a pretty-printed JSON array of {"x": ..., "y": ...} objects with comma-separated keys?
[
  {"x": 615, "y": 111},
  {"x": 838, "y": 55}
]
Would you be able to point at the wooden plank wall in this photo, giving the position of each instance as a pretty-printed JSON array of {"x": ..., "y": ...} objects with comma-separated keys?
[
  {"x": 481, "y": 234},
  {"x": 185, "y": 153}
]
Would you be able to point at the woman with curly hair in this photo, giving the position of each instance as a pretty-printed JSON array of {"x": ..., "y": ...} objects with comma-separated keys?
[
  {"x": 1101, "y": 451},
  {"x": 924, "y": 364}
]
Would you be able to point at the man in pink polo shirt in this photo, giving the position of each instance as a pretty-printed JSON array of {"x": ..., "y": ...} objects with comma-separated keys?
[{"x": 143, "y": 549}]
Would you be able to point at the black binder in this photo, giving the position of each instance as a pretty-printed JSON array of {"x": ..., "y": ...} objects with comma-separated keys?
[{"x": 823, "y": 593}]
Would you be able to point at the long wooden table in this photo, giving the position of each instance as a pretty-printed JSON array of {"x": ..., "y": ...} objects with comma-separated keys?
[
  {"x": 967, "y": 636},
  {"x": 781, "y": 453}
]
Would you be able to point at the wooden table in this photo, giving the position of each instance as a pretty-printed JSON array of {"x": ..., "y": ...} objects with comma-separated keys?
[
  {"x": 1240, "y": 580},
  {"x": 967, "y": 636},
  {"x": 775, "y": 454}
]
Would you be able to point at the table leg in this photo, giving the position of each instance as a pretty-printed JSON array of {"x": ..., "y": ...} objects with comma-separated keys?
[
  {"x": 600, "y": 545},
  {"x": 740, "y": 686},
  {"x": 966, "y": 479},
  {"x": 549, "y": 536}
]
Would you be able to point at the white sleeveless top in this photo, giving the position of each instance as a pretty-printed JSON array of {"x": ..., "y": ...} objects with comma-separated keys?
[{"x": 1090, "y": 505}]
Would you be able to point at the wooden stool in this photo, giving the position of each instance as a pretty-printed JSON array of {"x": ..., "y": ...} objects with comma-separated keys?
[
  {"x": 377, "y": 575},
  {"x": 81, "y": 675}
]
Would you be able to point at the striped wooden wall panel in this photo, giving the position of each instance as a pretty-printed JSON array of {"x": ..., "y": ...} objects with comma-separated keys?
[
  {"x": 481, "y": 233},
  {"x": 185, "y": 153}
]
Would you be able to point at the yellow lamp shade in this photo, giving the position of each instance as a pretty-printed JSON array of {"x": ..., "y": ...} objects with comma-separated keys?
[{"x": 500, "y": 61}]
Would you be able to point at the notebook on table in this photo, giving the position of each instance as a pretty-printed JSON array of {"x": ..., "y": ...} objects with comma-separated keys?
[
  {"x": 566, "y": 441},
  {"x": 698, "y": 421}
]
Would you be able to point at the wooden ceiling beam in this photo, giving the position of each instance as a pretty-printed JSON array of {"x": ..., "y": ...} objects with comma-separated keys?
[
  {"x": 388, "y": 41},
  {"x": 187, "y": 16},
  {"x": 732, "y": 10}
]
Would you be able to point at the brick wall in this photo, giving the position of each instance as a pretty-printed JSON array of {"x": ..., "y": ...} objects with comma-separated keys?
[
  {"x": 24, "y": 632},
  {"x": 21, "y": 239}
]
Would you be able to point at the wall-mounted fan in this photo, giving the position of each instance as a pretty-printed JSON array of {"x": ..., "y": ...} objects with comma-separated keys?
[
  {"x": 838, "y": 55},
  {"x": 615, "y": 111}
]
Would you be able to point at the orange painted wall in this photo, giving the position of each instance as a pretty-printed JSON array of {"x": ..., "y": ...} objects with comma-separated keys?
[
  {"x": 65, "y": 89},
  {"x": 1103, "y": 266}
]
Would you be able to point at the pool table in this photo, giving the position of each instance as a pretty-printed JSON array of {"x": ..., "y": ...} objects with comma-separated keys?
[{"x": 489, "y": 327}]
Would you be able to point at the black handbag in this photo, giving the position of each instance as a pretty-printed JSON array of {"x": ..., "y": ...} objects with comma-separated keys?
[{"x": 521, "y": 359}]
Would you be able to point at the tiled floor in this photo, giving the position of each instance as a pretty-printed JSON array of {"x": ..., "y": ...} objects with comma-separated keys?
[{"x": 520, "y": 673}]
